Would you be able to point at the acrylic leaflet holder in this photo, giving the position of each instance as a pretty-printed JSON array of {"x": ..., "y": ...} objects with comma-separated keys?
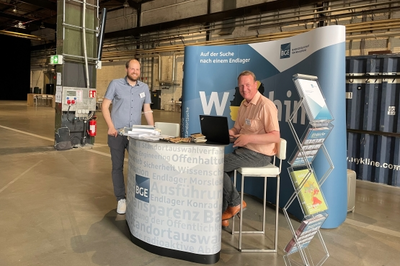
[
  {"x": 314, "y": 102},
  {"x": 306, "y": 185},
  {"x": 310, "y": 143}
]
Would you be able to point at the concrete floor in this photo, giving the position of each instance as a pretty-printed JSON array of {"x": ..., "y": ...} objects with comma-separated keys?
[{"x": 58, "y": 208}]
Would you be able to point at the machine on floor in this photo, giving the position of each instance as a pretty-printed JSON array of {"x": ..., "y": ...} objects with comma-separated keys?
[{"x": 75, "y": 117}]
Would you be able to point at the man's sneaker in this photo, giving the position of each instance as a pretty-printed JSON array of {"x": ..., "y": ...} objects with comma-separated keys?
[{"x": 121, "y": 208}]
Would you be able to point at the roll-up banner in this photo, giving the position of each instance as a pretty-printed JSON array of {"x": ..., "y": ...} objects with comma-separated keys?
[{"x": 210, "y": 87}]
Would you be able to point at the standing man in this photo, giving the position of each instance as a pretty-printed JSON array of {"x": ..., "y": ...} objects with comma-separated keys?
[
  {"x": 128, "y": 95},
  {"x": 255, "y": 134}
]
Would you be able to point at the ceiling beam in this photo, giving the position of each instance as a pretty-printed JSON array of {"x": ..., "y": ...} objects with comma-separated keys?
[
  {"x": 213, "y": 17},
  {"x": 43, "y": 4},
  {"x": 20, "y": 35},
  {"x": 135, "y": 4},
  {"x": 23, "y": 19}
]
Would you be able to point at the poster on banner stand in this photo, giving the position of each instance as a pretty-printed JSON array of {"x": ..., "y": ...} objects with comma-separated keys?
[{"x": 210, "y": 88}]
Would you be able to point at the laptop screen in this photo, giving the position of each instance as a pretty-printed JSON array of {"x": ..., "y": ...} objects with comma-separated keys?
[{"x": 215, "y": 128}]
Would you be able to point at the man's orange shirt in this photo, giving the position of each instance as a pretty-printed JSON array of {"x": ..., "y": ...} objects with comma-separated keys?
[{"x": 259, "y": 116}]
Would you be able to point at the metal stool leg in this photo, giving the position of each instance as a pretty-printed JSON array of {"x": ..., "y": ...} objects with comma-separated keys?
[
  {"x": 241, "y": 231},
  {"x": 264, "y": 204},
  {"x": 241, "y": 215},
  {"x": 263, "y": 230},
  {"x": 278, "y": 182},
  {"x": 233, "y": 219}
]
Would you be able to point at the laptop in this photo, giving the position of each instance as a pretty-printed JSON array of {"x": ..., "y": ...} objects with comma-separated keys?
[{"x": 215, "y": 128}]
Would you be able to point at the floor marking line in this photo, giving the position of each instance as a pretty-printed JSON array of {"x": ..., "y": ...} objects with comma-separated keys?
[
  {"x": 18, "y": 177},
  {"x": 26, "y": 133},
  {"x": 373, "y": 228},
  {"x": 104, "y": 154},
  {"x": 38, "y": 136}
]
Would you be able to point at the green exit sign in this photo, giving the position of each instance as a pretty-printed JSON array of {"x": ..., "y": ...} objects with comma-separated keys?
[{"x": 56, "y": 60}]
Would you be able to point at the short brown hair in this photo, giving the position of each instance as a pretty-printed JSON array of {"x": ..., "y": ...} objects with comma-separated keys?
[
  {"x": 127, "y": 63},
  {"x": 247, "y": 73}
]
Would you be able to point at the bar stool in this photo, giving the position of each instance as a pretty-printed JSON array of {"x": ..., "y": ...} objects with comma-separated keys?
[{"x": 273, "y": 170}]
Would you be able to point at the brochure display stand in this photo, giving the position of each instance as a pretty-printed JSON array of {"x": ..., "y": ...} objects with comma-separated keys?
[{"x": 305, "y": 182}]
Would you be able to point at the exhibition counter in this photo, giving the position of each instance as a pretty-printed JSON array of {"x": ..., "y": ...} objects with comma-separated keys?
[{"x": 174, "y": 199}]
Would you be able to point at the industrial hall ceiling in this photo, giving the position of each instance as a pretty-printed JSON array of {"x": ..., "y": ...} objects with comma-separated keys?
[{"x": 22, "y": 18}]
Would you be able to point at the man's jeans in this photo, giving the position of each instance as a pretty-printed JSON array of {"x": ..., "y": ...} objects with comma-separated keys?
[
  {"x": 240, "y": 157},
  {"x": 118, "y": 145}
]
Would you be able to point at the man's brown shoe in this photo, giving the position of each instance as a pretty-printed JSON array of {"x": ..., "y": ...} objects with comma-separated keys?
[
  {"x": 225, "y": 223},
  {"x": 232, "y": 211}
]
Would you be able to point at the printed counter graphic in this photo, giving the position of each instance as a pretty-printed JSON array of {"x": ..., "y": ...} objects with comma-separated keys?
[{"x": 174, "y": 199}]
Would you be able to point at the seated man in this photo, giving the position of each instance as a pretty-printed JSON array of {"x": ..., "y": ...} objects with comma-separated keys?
[{"x": 255, "y": 134}]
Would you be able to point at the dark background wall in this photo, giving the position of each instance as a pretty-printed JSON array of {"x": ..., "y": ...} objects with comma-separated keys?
[{"x": 15, "y": 74}]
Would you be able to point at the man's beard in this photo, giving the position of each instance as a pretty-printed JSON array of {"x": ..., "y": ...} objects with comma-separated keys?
[{"x": 132, "y": 78}]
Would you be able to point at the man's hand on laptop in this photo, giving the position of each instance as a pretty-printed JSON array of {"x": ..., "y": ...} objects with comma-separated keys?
[
  {"x": 241, "y": 140},
  {"x": 232, "y": 136}
]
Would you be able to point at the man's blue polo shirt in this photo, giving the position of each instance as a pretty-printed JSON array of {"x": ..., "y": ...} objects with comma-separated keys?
[{"x": 127, "y": 102}]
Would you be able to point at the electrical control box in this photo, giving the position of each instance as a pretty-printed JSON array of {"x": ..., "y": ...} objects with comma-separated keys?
[{"x": 81, "y": 101}]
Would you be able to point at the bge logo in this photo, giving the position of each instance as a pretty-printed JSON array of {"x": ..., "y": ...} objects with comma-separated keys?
[
  {"x": 142, "y": 188},
  {"x": 285, "y": 50}
]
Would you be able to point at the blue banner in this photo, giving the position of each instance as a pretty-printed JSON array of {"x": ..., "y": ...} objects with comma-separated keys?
[{"x": 210, "y": 87}]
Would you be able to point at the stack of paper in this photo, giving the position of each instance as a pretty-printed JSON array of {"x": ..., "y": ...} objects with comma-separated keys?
[
  {"x": 142, "y": 132},
  {"x": 198, "y": 138}
]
